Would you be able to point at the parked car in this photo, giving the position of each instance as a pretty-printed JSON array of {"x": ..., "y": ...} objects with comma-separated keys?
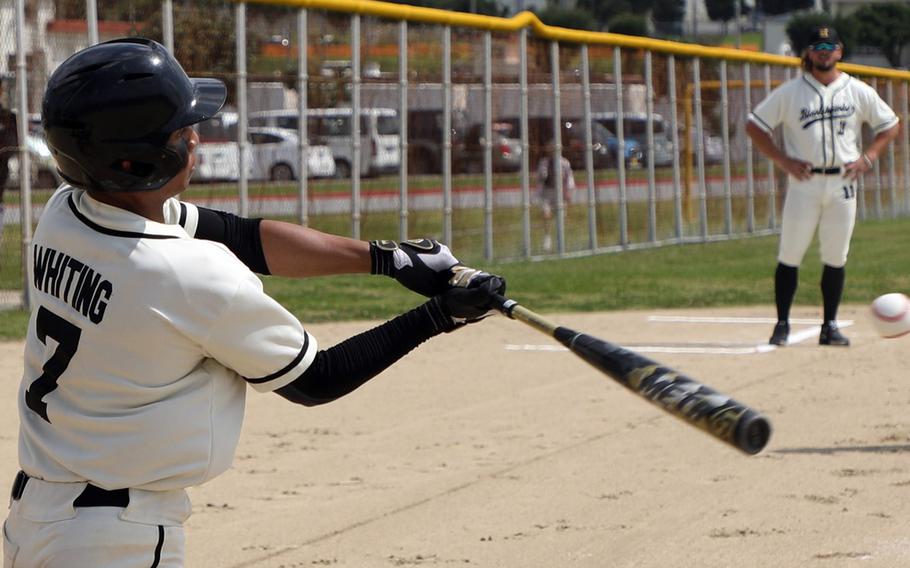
[
  {"x": 604, "y": 153},
  {"x": 635, "y": 127},
  {"x": 425, "y": 144},
  {"x": 379, "y": 135},
  {"x": 274, "y": 156},
  {"x": 44, "y": 168},
  {"x": 468, "y": 154}
]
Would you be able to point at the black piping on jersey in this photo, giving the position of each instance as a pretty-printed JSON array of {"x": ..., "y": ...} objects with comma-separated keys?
[
  {"x": 822, "y": 106},
  {"x": 763, "y": 123},
  {"x": 288, "y": 367},
  {"x": 884, "y": 125},
  {"x": 158, "y": 547},
  {"x": 113, "y": 232},
  {"x": 833, "y": 143},
  {"x": 182, "y": 221}
]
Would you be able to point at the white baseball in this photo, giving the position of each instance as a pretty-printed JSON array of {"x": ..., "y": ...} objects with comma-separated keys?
[{"x": 891, "y": 314}]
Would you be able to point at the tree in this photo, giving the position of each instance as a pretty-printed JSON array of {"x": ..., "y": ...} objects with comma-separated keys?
[
  {"x": 667, "y": 16},
  {"x": 485, "y": 7},
  {"x": 573, "y": 18},
  {"x": 885, "y": 26},
  {"x": 725, "y": 10},
  {"x": 605, "y": 10},
  {"x": 628, "y": 24},
  {"x": 775, "y": 7},
  {"x": 799, "y": 28}
]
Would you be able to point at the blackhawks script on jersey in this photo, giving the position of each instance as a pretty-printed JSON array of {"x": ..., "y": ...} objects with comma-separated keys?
[
  {"x": 821, "y": 123},
  {"x": 112, "y": 290}
]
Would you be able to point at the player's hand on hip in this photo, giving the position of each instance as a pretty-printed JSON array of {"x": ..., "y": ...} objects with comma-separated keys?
[
  {"x": 421, "y": 265},
  {"x": 855, "y": 169},
  {"x": 797, "y": 168},
  {"x": 473, "y": 294}
]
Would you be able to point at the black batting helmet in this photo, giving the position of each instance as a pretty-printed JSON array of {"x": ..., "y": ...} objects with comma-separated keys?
[{"x": 109, "y": 110}]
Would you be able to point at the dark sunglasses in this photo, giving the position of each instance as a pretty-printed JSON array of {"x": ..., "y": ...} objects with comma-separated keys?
[{"x": 824, "y": 46}]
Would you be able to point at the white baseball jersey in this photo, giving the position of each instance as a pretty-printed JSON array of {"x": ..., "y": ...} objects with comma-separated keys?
[
  {"x": 138, "y": 346},
  {"x": 822, "y": 123}
]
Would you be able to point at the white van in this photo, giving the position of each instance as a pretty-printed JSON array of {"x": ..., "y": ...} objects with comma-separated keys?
[{"x": 379, "y": 135}]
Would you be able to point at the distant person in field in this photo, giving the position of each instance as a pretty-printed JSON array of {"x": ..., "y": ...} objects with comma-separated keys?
[{"x": 547, "y": 194}]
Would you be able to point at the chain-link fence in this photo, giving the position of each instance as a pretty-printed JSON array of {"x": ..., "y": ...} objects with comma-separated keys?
[{"x": 428, "y": 123}]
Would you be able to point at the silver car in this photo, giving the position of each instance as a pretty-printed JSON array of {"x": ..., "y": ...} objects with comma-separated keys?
[
  {"x": 44, "y": 168},
  {"x": 274, "y": 155}
]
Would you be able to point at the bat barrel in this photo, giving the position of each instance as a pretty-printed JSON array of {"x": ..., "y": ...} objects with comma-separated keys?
[
  {"x": 701, "y": 406},
  {"x": 715, "y": 413}
]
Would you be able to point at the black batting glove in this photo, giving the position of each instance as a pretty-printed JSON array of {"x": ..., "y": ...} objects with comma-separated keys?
[
  {"x": 472, "y": 296},
  {"x": 420, "y": 265}
]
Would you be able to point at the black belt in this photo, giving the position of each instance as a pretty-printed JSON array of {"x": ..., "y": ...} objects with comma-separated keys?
[
  {"x": 826, "y": 171},
  {"x": 91, "y": 496}
]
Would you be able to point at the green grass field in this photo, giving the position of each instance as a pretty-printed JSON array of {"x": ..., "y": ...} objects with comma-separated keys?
[{"x": 737, "y": 272}]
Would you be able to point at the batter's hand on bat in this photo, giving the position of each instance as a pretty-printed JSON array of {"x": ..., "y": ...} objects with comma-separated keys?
[
  {"x": 420, "y": 265},
  {"x": 473, "y": 295}
]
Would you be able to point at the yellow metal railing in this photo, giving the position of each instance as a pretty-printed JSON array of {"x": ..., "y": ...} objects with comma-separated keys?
[{"x": 541, "y": 30}]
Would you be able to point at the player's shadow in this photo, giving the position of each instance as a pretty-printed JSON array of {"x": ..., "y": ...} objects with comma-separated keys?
[{"x": 883, "y": 449}]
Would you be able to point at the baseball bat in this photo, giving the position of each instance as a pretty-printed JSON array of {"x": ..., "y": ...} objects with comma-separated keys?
[{"x": 713, "y": 412}]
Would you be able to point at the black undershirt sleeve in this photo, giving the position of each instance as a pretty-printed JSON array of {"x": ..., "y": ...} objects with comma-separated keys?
[
  {"x": 341, "y": 369},
  {"x": 239, "y": 234}
]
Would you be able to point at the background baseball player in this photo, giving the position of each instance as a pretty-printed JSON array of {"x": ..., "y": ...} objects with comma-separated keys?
[
  {"x": 546, "y": 188},
  {"x": 148, "y": 321},
  {"x": 822, "y": 113}
]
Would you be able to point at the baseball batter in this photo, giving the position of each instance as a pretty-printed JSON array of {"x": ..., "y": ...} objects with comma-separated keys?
[
  {"x": 821, "y": 113},
  {"x": 148, "y": 322}
]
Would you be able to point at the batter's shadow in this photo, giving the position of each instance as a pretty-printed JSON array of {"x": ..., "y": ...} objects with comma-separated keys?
[{"x": 879, "y": 449}]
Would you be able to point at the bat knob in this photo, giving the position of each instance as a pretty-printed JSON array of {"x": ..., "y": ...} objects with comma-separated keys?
[{"x": 753, "y": 433}]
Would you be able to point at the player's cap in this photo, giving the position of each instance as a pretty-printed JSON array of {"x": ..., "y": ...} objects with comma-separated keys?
[{"x": 824, "y": 34}]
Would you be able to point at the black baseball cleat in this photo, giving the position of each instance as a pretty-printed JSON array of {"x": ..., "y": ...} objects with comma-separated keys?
[
  {"x": 830, "y": 335},
  {"x": 781, "y": 333}
]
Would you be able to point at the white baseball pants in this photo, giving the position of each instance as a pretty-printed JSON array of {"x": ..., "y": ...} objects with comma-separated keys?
[
  {"x": 826, "y": 202},
  {"x": 45, "y": 529}
]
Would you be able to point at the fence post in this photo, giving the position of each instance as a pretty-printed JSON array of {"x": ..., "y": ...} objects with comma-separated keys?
[
  {"x": 621, "y": 143},
  {"x": 769, "y": 164},
  {"x": 403, "y": 130},
  {"x": 242, "y": 138},
  {"x": 91, "y": 16},
  {"x": 356, "y": 146},
  {"x": 525, "y": 147},
  {"x": 556, "y": 164},
  {"x": 487, "y": 146},
  {"x": 167, "y": 24},
  {"x": 700, "y": 150},
  {"x": 589, "y": 148},
  {"x": 447, "y": 135},
  {"x": 725, "y": 137},
  {"x": 649, "y": 140},
  {"x": 303, "y": 124},
  {"x": 674, "y": 120},
  {"x": 25, "y": 169},
  {"x": 750, "y": 178}
]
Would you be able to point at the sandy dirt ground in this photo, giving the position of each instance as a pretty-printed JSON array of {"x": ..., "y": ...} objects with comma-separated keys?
[{"x": 489, "y": 447}]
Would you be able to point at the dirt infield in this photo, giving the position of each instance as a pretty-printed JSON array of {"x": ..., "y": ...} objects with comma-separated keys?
[{"x": 490, "y": 448}]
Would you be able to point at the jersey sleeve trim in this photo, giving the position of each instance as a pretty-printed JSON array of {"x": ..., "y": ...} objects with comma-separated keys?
[
  {"x": 760, "y": 123},
  {"x": 886, "y": 125},
  {"x": 189, "y": 218},
  {"x": 290, "y": 371}
]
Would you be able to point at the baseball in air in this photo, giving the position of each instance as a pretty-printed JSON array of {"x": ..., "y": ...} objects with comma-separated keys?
[{"x": 891, "y": 314}]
